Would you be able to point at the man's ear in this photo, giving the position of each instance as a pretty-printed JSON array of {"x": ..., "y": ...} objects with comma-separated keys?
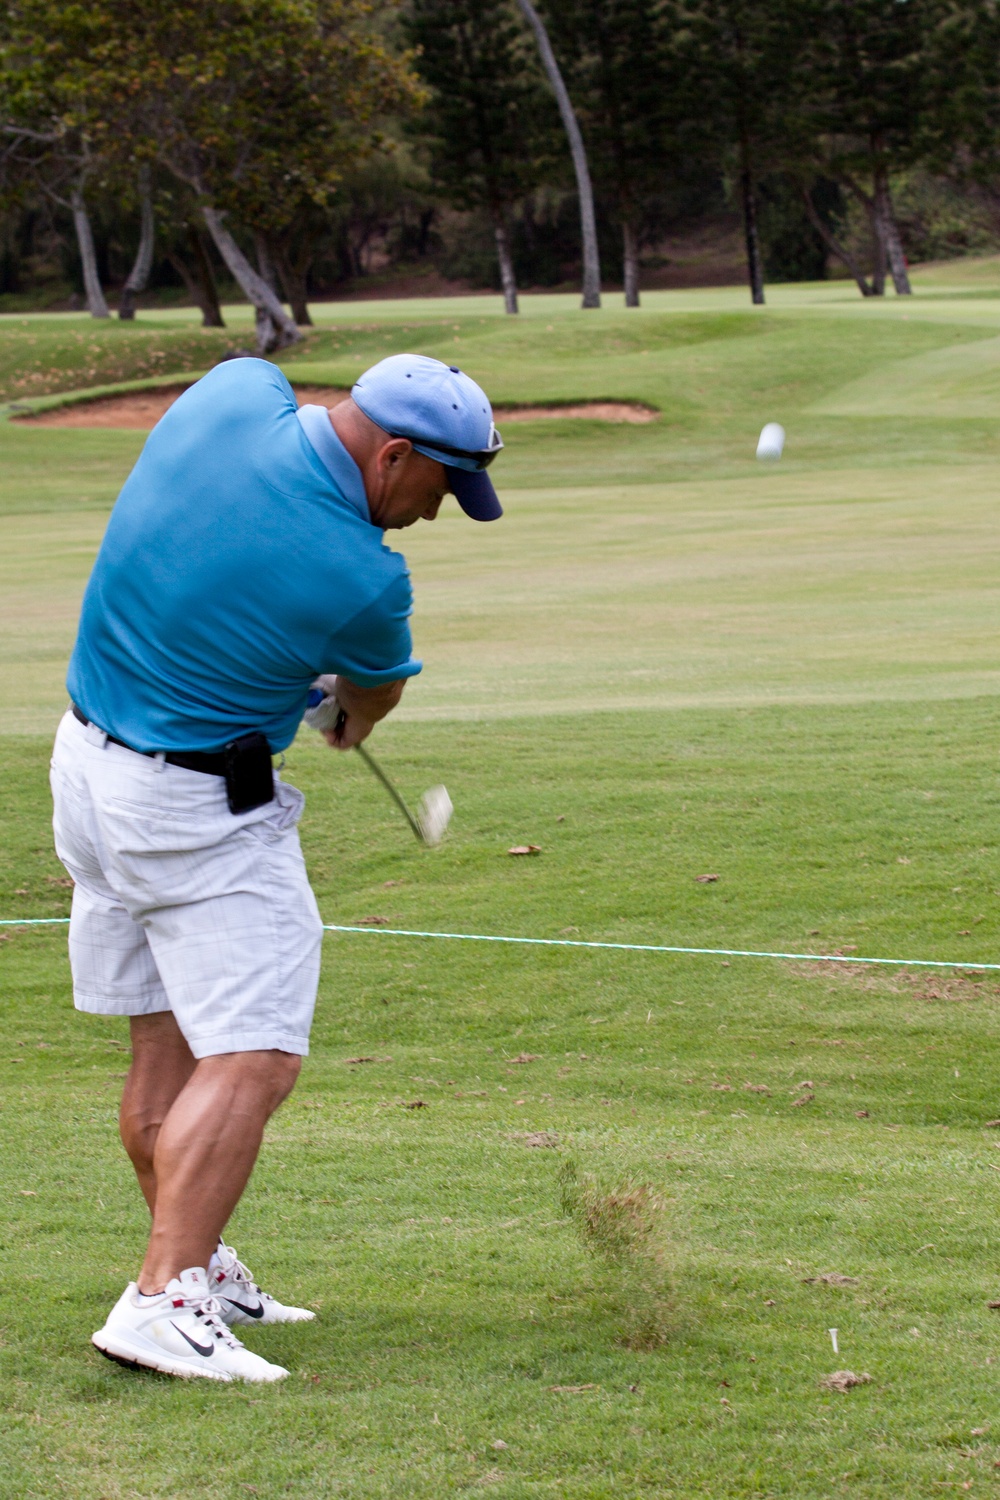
[{"x": 395, "y": 450}]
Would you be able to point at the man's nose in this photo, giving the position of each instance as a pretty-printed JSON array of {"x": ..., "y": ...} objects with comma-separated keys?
[{"x": 430, "y": 514}]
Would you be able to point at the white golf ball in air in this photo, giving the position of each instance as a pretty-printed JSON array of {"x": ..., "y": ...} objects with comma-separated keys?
[{"x": 771, "y": 440}]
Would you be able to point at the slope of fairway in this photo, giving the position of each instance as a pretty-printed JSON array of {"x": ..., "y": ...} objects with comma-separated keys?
[
  {"x": 842, "y": 586},
  {"x": 957, "y": 381},
  {"x": 667, "y": 662},
  {"x": 641, "y": 566}
]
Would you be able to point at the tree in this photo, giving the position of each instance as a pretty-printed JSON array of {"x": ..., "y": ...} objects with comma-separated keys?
[
  {"x": 46, "y": 142},
  {"x": 825, "y": 230},
  {"x": 889, "y": 87},
  {"x": 870, "y": 107},
  {"x": 195, "y": 271},
  {"x": 742, "y": 64},
  {"x": 959, "y": 129},
  {"x": 960, "y": 124},
  {"x": 254, "y": 105},
  {"x": 485, "y": 123},
  {"x": 618, "y": 60},
  {"x": 588, "y": 219},
  {"x": 138, "y": 277}
]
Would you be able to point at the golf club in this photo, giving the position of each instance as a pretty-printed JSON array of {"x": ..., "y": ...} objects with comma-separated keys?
[{"x": 435, "y": 809}]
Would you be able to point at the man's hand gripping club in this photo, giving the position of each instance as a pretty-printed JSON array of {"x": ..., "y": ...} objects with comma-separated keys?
[{"x": 348, "y": 713}]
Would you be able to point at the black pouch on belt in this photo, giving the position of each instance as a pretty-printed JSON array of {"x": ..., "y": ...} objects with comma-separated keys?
[{"x": 249, "y": 774}]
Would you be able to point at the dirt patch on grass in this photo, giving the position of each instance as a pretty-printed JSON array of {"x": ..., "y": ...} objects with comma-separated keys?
[
  {"x": 138, "y": 411},
  {"x": 844, "y": 1380},
  {"x": 955, "y": 986}
]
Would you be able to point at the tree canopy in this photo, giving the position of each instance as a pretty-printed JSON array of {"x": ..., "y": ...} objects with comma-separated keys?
[{"x": 274, "y": 137}]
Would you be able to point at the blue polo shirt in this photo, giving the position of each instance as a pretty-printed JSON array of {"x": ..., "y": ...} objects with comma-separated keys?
[{"x": 239, "y": 562}]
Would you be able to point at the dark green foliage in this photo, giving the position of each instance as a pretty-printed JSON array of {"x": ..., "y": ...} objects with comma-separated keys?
[
  {"x": 941, "y": 219},
  {"x": 793, "y": 249},
  {"x": 301, "y": 120},
  {"x": 544, "y": 230},
  {"x": 489, "y": 124},
  {"x": 626, "y": 81},
  {"x": 868, "y": 84},
  {"x": 744, "y": 74}
]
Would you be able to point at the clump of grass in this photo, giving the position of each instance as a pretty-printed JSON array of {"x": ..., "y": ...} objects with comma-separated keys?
[{"x": 622, "y": 1223}]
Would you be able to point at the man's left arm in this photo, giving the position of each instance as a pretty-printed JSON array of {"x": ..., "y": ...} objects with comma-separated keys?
[
  {"x": 373, "y": 661},
  {"x": 362, "y": 707}
]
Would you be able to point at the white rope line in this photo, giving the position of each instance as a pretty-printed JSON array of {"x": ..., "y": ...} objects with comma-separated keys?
[
  {"x": 483, "y": 937},
  {"x": 828, "y": 958},
  {"x": 34, "y": 921}
]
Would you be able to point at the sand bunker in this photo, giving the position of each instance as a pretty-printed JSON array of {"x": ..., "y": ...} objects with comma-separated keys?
[
  {"x": 141, "y": 410},
  {"x": 597, "y": 411}
]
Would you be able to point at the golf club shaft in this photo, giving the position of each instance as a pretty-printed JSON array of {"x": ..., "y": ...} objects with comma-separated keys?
[{"x": 376, "y": 770}]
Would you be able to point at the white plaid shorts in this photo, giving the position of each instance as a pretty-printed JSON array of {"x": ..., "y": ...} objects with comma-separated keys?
[{"x": 181, "y": 905}]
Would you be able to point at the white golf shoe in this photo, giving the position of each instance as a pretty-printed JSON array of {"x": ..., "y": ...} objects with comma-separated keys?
[
  {"x": 180, "y": 1332},
  {"x": 241, "y": 1300}
]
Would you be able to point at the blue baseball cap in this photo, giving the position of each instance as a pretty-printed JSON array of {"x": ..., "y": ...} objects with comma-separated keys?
[{"x": 445, "y": 415}]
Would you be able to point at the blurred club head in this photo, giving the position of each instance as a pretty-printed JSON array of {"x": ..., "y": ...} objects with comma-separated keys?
[{"x": 434, "y": 814}]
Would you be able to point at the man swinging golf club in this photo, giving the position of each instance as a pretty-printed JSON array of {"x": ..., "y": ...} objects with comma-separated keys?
[{"x": 243, "y": 559}]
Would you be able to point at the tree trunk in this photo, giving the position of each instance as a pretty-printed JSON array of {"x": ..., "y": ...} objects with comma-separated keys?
[
  {"x": 507, "y": 279},
  {"x": 878, "y": 250},
  {"x": 755, "y": 265},
  {"x": 878, "y": 244},
  {"x": 138, "y": 277},
  {"x": 200, "y": 284},
  {"x": 834, "y": 246},
  {"x": 207, "y": 291},
  {"x": 887, "y": 231},
  {"x": 588, "y": 221},
  {"x": 96, "y": 303},
  {"x": 630, "y": 258},
  {"x": 267, "y": 333},
  {"x": 293, "y": 279},
  {"x": 265, "y": 264},
  {"x": 275, "y": 329},
  {"x": 424, "y": 234}
]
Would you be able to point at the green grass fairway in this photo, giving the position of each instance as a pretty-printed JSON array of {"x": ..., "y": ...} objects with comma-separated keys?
[{"x": 667, "y": 661}]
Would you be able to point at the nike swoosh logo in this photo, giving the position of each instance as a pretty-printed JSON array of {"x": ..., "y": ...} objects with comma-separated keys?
[
  {"x": 205, "y": 1349},
  {"x": 251, "y": 1312}
]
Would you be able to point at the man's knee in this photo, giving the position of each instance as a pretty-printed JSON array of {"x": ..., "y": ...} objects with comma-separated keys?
[
  {"x": 270, "y": 1075},
  {"x": 286, "y": 1068}
]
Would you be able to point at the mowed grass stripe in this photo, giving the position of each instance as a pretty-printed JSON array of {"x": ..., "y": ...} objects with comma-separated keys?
[{"x": 786, "y": 587}]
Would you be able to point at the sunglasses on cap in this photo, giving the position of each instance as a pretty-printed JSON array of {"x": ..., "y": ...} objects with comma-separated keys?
[{"x": 477, "y": 460}]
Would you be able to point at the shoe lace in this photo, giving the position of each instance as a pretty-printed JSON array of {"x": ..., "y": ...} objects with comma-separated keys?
[
  {"x": 209, "y": 1314},
  {"x": 241, "y": 1273}
]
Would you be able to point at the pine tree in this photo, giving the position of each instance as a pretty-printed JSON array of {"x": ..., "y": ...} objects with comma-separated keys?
[
  {"x": 742, "y": 65},
  {"x": 488, "y": 121},
  {"x": 617, "y": 57},
  {"x": 869, "y": 98}
]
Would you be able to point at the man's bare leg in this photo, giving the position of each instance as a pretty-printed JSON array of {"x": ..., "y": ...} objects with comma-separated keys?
[
  {"x": 162, "y": 1063},
  {"x": 205, "y": 1150}
]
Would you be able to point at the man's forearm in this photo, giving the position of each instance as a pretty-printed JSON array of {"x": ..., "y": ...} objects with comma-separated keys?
[
  {"x": 369, "y": 703},
  {"x": 363, "y": 708}
]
